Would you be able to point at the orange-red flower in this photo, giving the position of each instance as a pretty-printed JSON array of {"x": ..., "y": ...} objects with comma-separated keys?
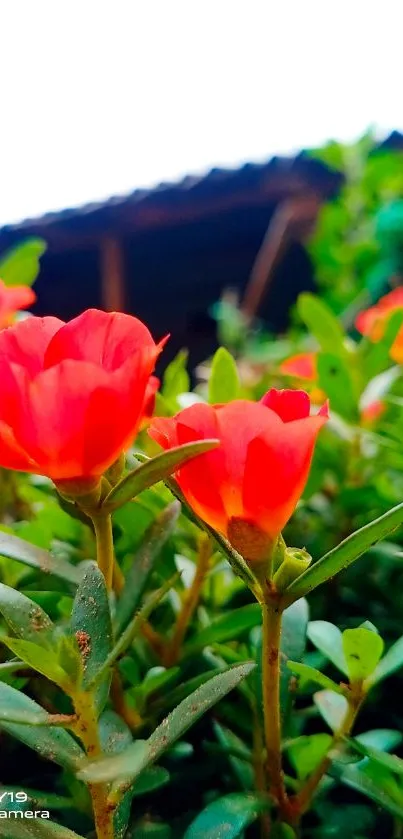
[
  {"x": 248, "y": 487},
  {"x": 302, "y": 366},
  {"x": 149, "y": 401},
  {"x": 72, "y": 394},
  {"x": 13, "y": 298},
  {"x": 372, "y": 322},
  {"x": 372, "y": 412}
]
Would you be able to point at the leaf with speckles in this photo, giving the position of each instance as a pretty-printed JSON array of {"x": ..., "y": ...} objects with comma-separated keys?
[
  {"x": 25, "y": 618},
  {"x": 143, "y": 753},
  {"x": 50, "y": 742},
  {"x": 92, "y": 627},
  {"x": 15, "y": 548}
]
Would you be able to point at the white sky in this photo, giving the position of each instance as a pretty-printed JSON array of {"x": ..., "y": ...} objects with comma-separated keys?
[{"x": 98, "y": 98}]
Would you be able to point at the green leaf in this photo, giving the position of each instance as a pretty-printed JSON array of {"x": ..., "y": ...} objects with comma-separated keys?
[
  {"x": 15, "y": 548},
  {"x": 92, "y": 628},
  {"x": 376, "y": 356},
  {"x": 310, "y": 674},
  {"x": 176, "y": 378},
  {"x": 143, "y": 563},
  {"x": 224, "y": 379},
  {"x": 328, "y": 639},
  {"x": 20, "y": 266},
  {"x": 392, "y": 661},
  {"x": 322, "y": 323},
  {"x": 150, "y": 780},
  {"x": 23, "y": 717},
  {"x": 332, "y": 707},
  {"x": 133, "y": 628},
  {"x": 141, "y": 755},
  {"x": 307, "y": 752},
  {"x": 392, "y": 762},
  {"x": 362, "y": 649},
  {"x": 36, "y": 828},
  {"x": 384, "y": 739},
  {"x": 227, "y": 816},
  {"x": 227, "y": 627},
  {"x": 374, "y": 781},
  {"x": 42, "y": 660},
  {"x": 26, "y": 619},
  {"x": 241, "y": 765},
  {"x": 153, "y": 470},
  {"x": 51, "y": 742},
  {"x": 345, "y": 553},
  {"x": 292, "y": 646},
  {"x": 334, "y": 378}
]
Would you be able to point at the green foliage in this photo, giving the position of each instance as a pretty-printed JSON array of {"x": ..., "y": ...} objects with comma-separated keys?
[
  {"x": 231, "y": 813},
  {"x": 224, "y": 379},
  {"x": 20, "y": 266}
]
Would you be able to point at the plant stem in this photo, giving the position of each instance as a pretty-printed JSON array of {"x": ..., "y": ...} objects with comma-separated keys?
[
  {"x": 259, "y": 769},
  {"x": 303, "y": 799},
  {"x": 190, "y": 602},
  {"x": 87, "y": 730},
  {"x": 131, "y": 717},
  {"x": 104, "y": 541},
  {"x": 272, "y": 616}
]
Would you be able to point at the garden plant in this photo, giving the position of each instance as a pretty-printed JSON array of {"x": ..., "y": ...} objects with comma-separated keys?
[{"x": 200, "y": 596}]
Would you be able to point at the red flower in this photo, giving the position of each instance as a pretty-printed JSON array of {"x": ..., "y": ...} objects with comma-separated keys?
[
  {"x": 373, "y": 412},
  {"x": 72, "y": 394},
  {"x": 302, "y": 366},
  {"x": 149, "y": 401},
  {"x": 372, "y": 321},
  {"x": 13, "y": 298},
  {"x": 248, "y": 487}
]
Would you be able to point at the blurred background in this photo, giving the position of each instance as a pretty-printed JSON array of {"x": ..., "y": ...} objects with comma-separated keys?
[{"x": 180, "y": 159}]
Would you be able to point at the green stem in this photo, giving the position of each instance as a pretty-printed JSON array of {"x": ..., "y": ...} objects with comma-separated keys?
[
  {"x": 272, "y": 616},
  {"x": 86, "y": 729},
  {"x": 104, "y": 540}
]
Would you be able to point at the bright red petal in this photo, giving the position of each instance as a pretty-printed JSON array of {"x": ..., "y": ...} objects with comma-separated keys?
[
  {"x": 289, "y": 405},
  {"x": 163, "y": 430},
  {"x": 107, "y": 339},
  {"x": 26, "y": 342},
  {"x": 276, "y": 472}
]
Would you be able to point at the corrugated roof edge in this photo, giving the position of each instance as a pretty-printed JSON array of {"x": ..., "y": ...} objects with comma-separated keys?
[
  {"x": 283, "y": 164},
  {"x": 189, "y": 182}
]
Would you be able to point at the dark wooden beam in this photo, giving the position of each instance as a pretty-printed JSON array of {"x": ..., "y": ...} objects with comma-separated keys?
[{"x": 113, "y": 291}]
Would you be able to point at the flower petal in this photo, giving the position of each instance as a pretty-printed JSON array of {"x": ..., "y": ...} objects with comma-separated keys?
[
  {"x": 26, "y": 342},
  {"x": 107, "y": 339},
  {"x": 277, "y": 470},
  {"x": 289, "y": 405}
]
